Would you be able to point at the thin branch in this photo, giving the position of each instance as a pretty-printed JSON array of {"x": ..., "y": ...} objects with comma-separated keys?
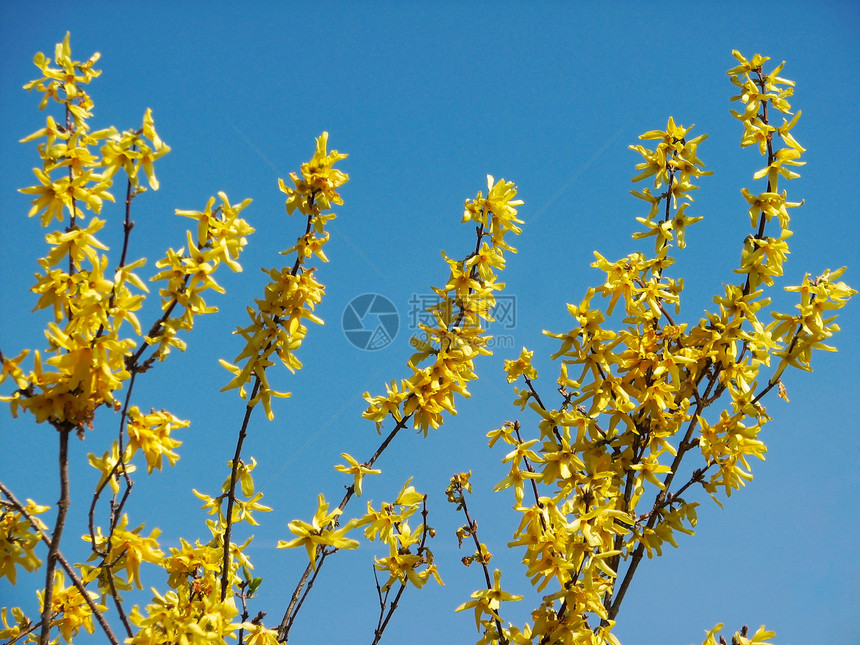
[
  {"x": 53, "y": 549},
  {"x": 249, "y": 409},
  {"x": 473, "y": 531},
  {"x": 231, "y": 493},
  {"x": 377, "y": 635},
  {"x": 639, "y": 552}
]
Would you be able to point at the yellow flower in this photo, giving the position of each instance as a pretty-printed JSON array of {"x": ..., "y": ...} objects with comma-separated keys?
[
  {"x": 151, "y": 434},
  {"x": 496, "y": 213},
  {"x": 316, "y": 189},
  {"x": 18, "y": 540},
  {"x": 403, "y": 565},
  {"x": 521, "y": 367},
  {"x": 488, "y": 601},
  {"x": 357, "y": 470},
  {"x": 128, "y": 549},
  {"x": 107, "y": 466},
  {"x": 257, "y": 634},
  {"x": 72, "y": 609},
  {"x": 320, "y": 532},
  {"x": 14, "y": 631},
  {"x": 747, "y": 66},
  {"x": 11, "y": 368}
]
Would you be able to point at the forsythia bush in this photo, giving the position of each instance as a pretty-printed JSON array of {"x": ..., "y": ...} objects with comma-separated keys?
[{"x": 596, "y": 467}]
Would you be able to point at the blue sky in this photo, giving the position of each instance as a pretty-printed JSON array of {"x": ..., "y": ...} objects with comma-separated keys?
[{"x": 427, "y": 100}]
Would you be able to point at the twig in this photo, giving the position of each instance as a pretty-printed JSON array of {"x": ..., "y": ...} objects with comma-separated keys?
[
  {"x": 473, "y": 530},
  {"x": 62, "y": 509}
]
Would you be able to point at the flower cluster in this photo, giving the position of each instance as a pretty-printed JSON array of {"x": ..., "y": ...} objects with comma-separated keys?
[
  {"x": 88, "y": 346},
  {"x": 194, "y": 609},
  {"x": 18, "y": 539},
  {"x": 124, "y": 550},
  {"x": 241, "y": 510},
  {"x": 69, "y": 608},
  {"x": 651, "y": 409},
  {"x": 151, "y": 434},
  {"x": 96, "y": 344},
  {"x": 67, "y": 144},
  {"x": 187, "y": 274},
  {"x": 596, "y": 488},
  {"x": 409, "y": 558},
  {"x": 449, "y": 347},
  {"x": 277, "y": 322},
  {"x": 457, "y": 335},
  {"x": 85, "y": 342}
]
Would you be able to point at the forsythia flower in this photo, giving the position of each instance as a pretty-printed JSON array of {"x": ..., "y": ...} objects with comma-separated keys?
[
  {"x": 320, "y": 532},
  {"x": 15, "y": 630},
  {"x": 357, "y": 470},
  {"x": 186, "y": 616},
  {"x": 740, "y": 638},
  {"x": 107, "y": 466},
  {"x": 521, "y": 367},
  {"x": 128, "y": 549},
  {"x": 72, "y": 609},
  {"x": 488, "y": 601},
  {"x": 317, "y": 187},
  {"x": 220, "y": 238},
  {"x": 18, "y": 540},
  {"x": 151, "y": 434},
  {"x": 456, "y": 336},
  {"x": 257, "y": 634},
  {"x": 277, "y": 323},
  {"x": 638, "y": 403}
]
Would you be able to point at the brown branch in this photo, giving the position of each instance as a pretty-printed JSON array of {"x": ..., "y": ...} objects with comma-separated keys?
[
  {"x": 771, "y": 156},
  {"x": 530, "y": 469},
  {"x": 473, "y": 531},
  {"x": 231, "y": 493},
  {"x": 298, "y": 596},
  {"x": 639, "y": 552},
  {"x": 537, "y": 399},
  {"x": 381, "y": 625},
  {"x": 53, "y": 549}
]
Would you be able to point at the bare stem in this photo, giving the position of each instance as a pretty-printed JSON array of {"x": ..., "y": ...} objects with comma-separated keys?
[
  {"x": 473, "y": 530},
  {"x": 54, "y": 548},
  {"x": 377, "y": 635},
  {"x": 382, "y": 624},
  {"x": 231, "y": 493}
]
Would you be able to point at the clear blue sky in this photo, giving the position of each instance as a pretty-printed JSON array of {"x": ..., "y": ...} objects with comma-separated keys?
[{"x": 427, "y": 101}]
